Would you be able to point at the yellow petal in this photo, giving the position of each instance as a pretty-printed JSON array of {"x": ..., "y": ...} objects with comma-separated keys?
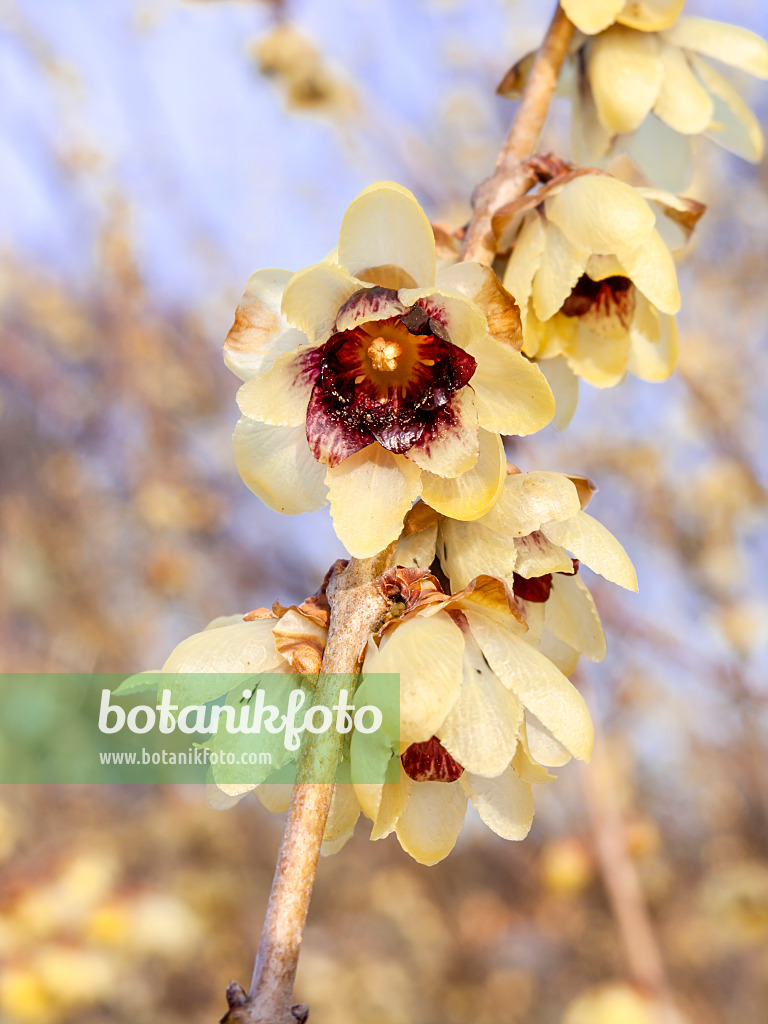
[
  {"x": 601, "y": 362},
  {"x": 654, "y": 360},
  {"x": 370, "y": 493},
  {"x": 571, "y": 615},
  {"x": 314, "y": 296},
  {"x": 652, "y": 270},
  {"x": 385, "y": 227},
  {"x": 452, "y": 447},
  {"x": 525, "y": 259},
  {"x": 470, "y": 495},
  {"x": 734, "y": 126},
  {"x": 543, "y": 746},
  {"x": 591, "y": 141},
  {"x": 222, "y": 797},
  {"x": 602, "y": 214},
  {"x": 731, "y": 44},
  {"x": 565, "y": 387},
  {"x": 481, "y": 729},
  {"x": 536, "y": 556},
  {"x": 462, "y": 319},
  {"x": 682, "y": 103},
  {"x": 528, "y": 769},
  {"x": 590, "y": 542},
  {"x": 260, "y": 333},
  {"x": 239, "y": 647},
  {"x": 479, "y": 284},
  {"x": 679, "y": 216},
  {"x": 468, "y": 550},
  {"x": 591, "y": 16},
  {"x": 542, "y": 689},
  {"x": 530, "y": 499},
  {"x": 384, "y": 804},
  {"x": 277, "y": 465},
  {"x": 650, "y": 15},
  {"x": 427, "y": 654},
  {"x": 343, "y": 815},
  {"x": 274, "y": 796},
  {"x": 280, "y": 395},
  {"x": 432, "y": 820},
  {"x": 561, "y": 267},
  {"x": 512, "y": 395},
  {"x": 505, "y": 803},
  {"x": 663, "y": 155},
  {"x": 417, "y": 550},
  {"x": 625, "y": 75},
  {"x": 560, "y": 654}
]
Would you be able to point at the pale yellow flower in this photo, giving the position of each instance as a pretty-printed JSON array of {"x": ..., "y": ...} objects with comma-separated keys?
[
  {"x": 372, "y": 378},
  {"x": 537, "y": 536},
  {"x": 206, "y": 665},
  {"x": 592, "y": 16},
  {"x": 592, "y": 272},
  {"x": 481, "y": 711},
  {"x": 639, "y": 84}
]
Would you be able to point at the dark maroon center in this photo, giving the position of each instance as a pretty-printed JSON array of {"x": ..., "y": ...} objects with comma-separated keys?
[
  {"x": 538, "y": 588},
  {"x": 595, "y": 296},
  {"x": 386, "y": 380},
  {"x": 430, "y": 762}
]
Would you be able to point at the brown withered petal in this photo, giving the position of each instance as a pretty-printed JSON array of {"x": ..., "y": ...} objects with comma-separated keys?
[
  {"x": 421, "y": 517},
  {"x": 300, "y": 640},
  {"x": 416, "y": 588},
  {"x": 584, "y": 488},
  {"x": 501, "y": 310},
  {"x": 447, "y": 244},
  {"x": 260, "y": 613},
  {"x": 489, "y": 593},
  {"x": 686, "y": 212},
  {"x": 511, "y": 85}
]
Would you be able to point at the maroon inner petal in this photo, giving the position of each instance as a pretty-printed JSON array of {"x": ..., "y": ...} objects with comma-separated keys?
[
  {"x": 351, "y": 406},
  {"x": 430, "y": 762},
  {"x": 332, "y": 437},
  {"x": 538, "y": 588},
  {"x": 610, "y": 297}
]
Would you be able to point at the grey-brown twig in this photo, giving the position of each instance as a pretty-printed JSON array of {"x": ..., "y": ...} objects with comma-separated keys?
[
  {"x": 512, "y": 177},
  {"x": 356, "y": 607}
]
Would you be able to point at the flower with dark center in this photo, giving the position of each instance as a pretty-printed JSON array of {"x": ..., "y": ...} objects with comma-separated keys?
[
  {"x": 640, "y": 85},
  {"x": 535, "y": 538},
  {"x": 473, "y": 694},
  {"x": 390, "y": 381},
  {"x": 592, "y": 270},
  {"x": 372, "y": 379},
  {"x": 430, "y": 762}
]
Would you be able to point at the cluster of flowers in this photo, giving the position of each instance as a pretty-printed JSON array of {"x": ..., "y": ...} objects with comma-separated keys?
[
  {"x": 382, "y": 380},
  {"x": 639, "y": 84},
  {"x": 373, "y": 379}
]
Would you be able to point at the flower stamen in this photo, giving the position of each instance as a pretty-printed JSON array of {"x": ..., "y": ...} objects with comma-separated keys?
[{"x": 384, "y": 354}]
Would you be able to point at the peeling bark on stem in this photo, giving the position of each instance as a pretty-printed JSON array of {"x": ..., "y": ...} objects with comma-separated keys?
[
  {"x": 356, "y": 607},
  {"x": 512, "y": 178}
]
